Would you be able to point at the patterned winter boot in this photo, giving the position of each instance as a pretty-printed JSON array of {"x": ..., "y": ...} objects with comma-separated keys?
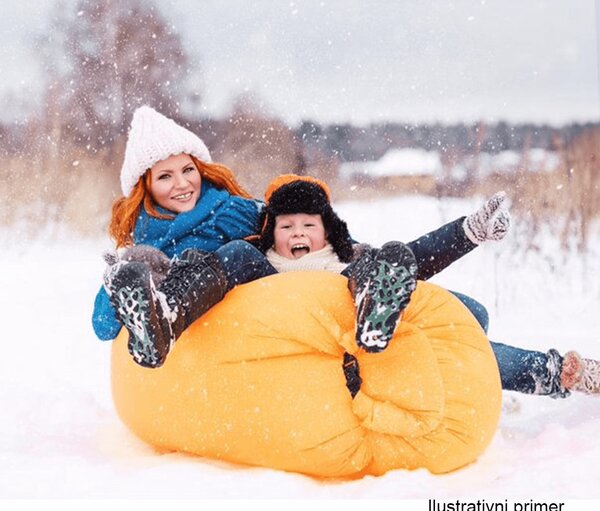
[
  {"x": 195, "y": 282},
  {"x": 580, "y": 374},
  {"x": 143, "y": 312},
  {"x": 381, "y": 284},
  {"x": 548, "y": 376},
  {"x": 156, "y": 317}
]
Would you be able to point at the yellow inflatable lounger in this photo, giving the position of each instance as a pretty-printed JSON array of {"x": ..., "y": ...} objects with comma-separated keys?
[{"x": 258, "y": 380}]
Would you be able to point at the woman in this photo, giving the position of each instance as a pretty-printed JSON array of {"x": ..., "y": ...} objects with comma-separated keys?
[{"x": 175, "y": 198}]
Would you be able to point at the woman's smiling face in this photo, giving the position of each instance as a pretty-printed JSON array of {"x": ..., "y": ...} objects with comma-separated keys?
[{"x": 175, "y": 183}]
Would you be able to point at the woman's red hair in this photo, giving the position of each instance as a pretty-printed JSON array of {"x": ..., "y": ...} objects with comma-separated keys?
[{"x": 126, "y": 210}]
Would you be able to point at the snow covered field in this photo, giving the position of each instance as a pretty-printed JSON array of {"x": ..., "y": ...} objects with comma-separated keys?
[{"x": 60, "y": 437}]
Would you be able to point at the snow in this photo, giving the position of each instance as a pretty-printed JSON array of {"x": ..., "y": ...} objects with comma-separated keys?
[
  {"x": 60, "y": 437},
  {"x": 397, "y": 162},
  {"x": 406, "y": 162},
  {"x": 534, "y": 160},
  {"x": 420, "y": 163}
]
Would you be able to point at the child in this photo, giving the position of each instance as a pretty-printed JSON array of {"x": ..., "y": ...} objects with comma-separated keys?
[{"x": 300, "y": 232}]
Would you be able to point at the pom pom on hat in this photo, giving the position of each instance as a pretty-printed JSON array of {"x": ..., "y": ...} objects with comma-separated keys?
[{"x": 153, "y": 138}]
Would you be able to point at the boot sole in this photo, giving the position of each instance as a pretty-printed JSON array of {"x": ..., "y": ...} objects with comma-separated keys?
[
  {"x": 391, "y": 280},
  {"x": 134, "y": 298}
]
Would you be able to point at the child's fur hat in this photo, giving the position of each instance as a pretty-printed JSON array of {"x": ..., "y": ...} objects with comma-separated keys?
[{"x": 290, "y": 194}]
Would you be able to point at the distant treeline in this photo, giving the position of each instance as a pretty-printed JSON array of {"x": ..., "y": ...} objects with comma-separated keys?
[{"x": 346, "y": 142}]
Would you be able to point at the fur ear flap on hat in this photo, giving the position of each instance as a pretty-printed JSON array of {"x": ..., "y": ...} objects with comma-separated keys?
[
  {"x": 153, "y": 138},
  {"x": 291, "y": 194}
]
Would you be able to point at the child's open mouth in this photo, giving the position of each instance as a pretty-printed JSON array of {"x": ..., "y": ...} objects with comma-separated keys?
[{"x": 299, "y": 250}]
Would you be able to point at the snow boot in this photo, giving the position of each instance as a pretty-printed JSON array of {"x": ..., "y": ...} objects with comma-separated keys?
[
  {"x": 156, "y": 317},
  {"x": 580, "y": 374},
  {"x": 548, "y": 378},
  {"x": 195, "y": 282},
  {"x": 381, "y": 283},
  {"x": 143, "y": 312}
]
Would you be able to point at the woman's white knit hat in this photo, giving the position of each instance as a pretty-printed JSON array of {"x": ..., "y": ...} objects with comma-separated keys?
[{"x": 152, "y": 138}]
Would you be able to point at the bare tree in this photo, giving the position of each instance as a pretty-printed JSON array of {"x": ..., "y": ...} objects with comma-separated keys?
[
  {"x": 106, "y": 58},
  {"x": 258, "y": 146}
]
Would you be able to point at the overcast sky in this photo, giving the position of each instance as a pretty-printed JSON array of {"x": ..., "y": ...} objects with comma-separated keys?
[{"x": 363, "y": 61}]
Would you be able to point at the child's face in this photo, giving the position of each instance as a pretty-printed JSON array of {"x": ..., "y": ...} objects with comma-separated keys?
[
  {"x": 298, "y": 234},
  {"x": 175, "y": 183}
]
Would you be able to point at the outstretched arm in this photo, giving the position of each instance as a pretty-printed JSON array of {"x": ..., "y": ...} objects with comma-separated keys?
[{"x": 438, "y": 249}]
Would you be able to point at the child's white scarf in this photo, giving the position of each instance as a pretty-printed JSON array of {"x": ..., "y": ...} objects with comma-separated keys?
[{"x": 325, "y": 259}]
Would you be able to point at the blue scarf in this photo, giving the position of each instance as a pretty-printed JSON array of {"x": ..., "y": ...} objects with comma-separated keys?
[{"x": 217, "y": 218}]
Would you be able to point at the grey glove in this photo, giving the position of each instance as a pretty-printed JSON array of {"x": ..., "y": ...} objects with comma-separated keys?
[
  {"x": 157, "y": 261},
  {"x": 490, "y": 222}
]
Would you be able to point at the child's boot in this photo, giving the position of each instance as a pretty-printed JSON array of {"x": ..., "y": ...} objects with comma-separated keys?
[
  {"x": 381, "y": 282},
  {"x": 580, "y": 374}
]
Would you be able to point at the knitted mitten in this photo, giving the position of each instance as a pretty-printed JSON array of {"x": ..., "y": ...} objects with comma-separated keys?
[
  {"x": 113, "y": 264},
  {"x": 580, "y": 374},
  {"x": 158, "y": 263},
  {"x": 490, "y": 222}
]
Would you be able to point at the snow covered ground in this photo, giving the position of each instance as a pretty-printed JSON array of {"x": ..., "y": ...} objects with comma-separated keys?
[{"x": 60, "y": 437}]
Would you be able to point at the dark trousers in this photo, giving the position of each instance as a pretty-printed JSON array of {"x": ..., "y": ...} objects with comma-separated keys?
[{"x": 526, "y": 371}]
